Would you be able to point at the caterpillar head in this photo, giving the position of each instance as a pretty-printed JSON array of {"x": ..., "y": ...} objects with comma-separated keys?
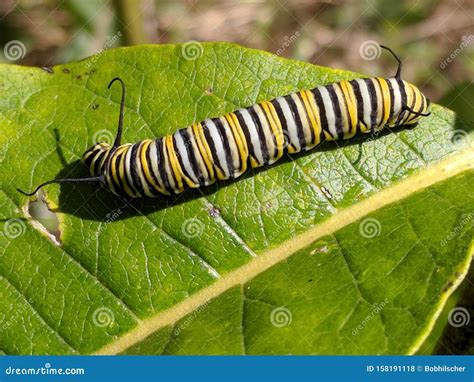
[
  {"x": 93, "y": 158},
  {"x": 415, "y": 107}
]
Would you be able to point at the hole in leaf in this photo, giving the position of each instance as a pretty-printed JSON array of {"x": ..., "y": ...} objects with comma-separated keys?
[{"x": 39, "y": 211}]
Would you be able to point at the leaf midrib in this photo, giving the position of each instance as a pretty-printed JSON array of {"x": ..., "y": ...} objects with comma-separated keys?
[{"x": 450, "y": 167}]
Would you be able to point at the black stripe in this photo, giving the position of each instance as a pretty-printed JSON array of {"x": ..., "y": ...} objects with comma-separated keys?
[
  {"x": 261, "y": 134},
  {"x": 297, "y": 119},
  {"x": 403, "y": 95},
  {"x": 360, "y": 103},
  {"x": 180, "y": 158},
  {"x": 337, "y": 110},
  {"x": 212, "y": 146},
  {"x": 192, "y": 157},
  {"x": 97, "y": 159},
  {"x": 373, "y": 103},
  {"x": 348, "y": 114},
  {"x": 161, "y": 163},
  {"x": 322, "y": 113},
  {"x": 311, "y": 131},
  {"x": 245, "y": 129},
  {"x": 267, "y": 118},
  {"x": 392, "y": 99},
  {"x": 228, "y": 154},
  {"x": 118, "y": 184},
  {"x": 284, "y": 125},
  {"x": 241, "y": 160},
  {"x": 88, "y": 160},
  {"x": 136, "y": 184}
]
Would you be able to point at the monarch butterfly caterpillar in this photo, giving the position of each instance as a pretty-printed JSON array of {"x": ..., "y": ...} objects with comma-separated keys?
[{"x": 221, "y": 148}]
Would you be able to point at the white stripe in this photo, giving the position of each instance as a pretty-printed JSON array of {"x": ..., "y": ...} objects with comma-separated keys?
[
  {"x": 267, "y": 132},
  {"x": 365, "y": 102},
  {"x": 253, "y": 133},
  {"x": 183, "y": 153},
  {"x": 290, "y": 123},
  {"x": 141, "y": 175},
  {"x": 199, "y": 159},
  {"x": 219, "y": 145},
  {"x": 329, "y": 111},
  {"x": 168, "y": 169},
  {"x": 128, "y": 172},
  {"x": 234, "y": 150},
  {"x": 154, "y": 165}
]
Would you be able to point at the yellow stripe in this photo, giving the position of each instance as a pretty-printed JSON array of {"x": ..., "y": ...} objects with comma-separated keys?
[
  {"x": 313, "y": 115},
  {"x": 146, "y": 170},
  {"x": 123, "y": 151},
  {"x": 267, "y": 108},
  {"x": 241, "y": 144},
  {"x": 386, "y": 100},
  {"x": 205, "y": 152},
  {"x": 175, "y": 167},
  {"x": 349, "y": 96},
  {"x": 416, "y": 103}
]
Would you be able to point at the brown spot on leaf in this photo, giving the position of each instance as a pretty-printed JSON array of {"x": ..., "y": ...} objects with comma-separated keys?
[{"x": 47, "y": 69}]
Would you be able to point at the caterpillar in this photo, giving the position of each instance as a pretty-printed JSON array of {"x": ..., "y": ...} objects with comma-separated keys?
[{"x": 224, "y": 147}]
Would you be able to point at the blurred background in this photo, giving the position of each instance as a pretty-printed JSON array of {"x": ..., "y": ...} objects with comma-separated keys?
[{"x": 434, "y": 37}]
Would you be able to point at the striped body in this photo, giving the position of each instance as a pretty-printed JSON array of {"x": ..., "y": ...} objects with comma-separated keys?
[{"x": 224, "y": 147}]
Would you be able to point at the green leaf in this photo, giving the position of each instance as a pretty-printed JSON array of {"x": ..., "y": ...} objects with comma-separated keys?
[{"x": 279, "y": 261}]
